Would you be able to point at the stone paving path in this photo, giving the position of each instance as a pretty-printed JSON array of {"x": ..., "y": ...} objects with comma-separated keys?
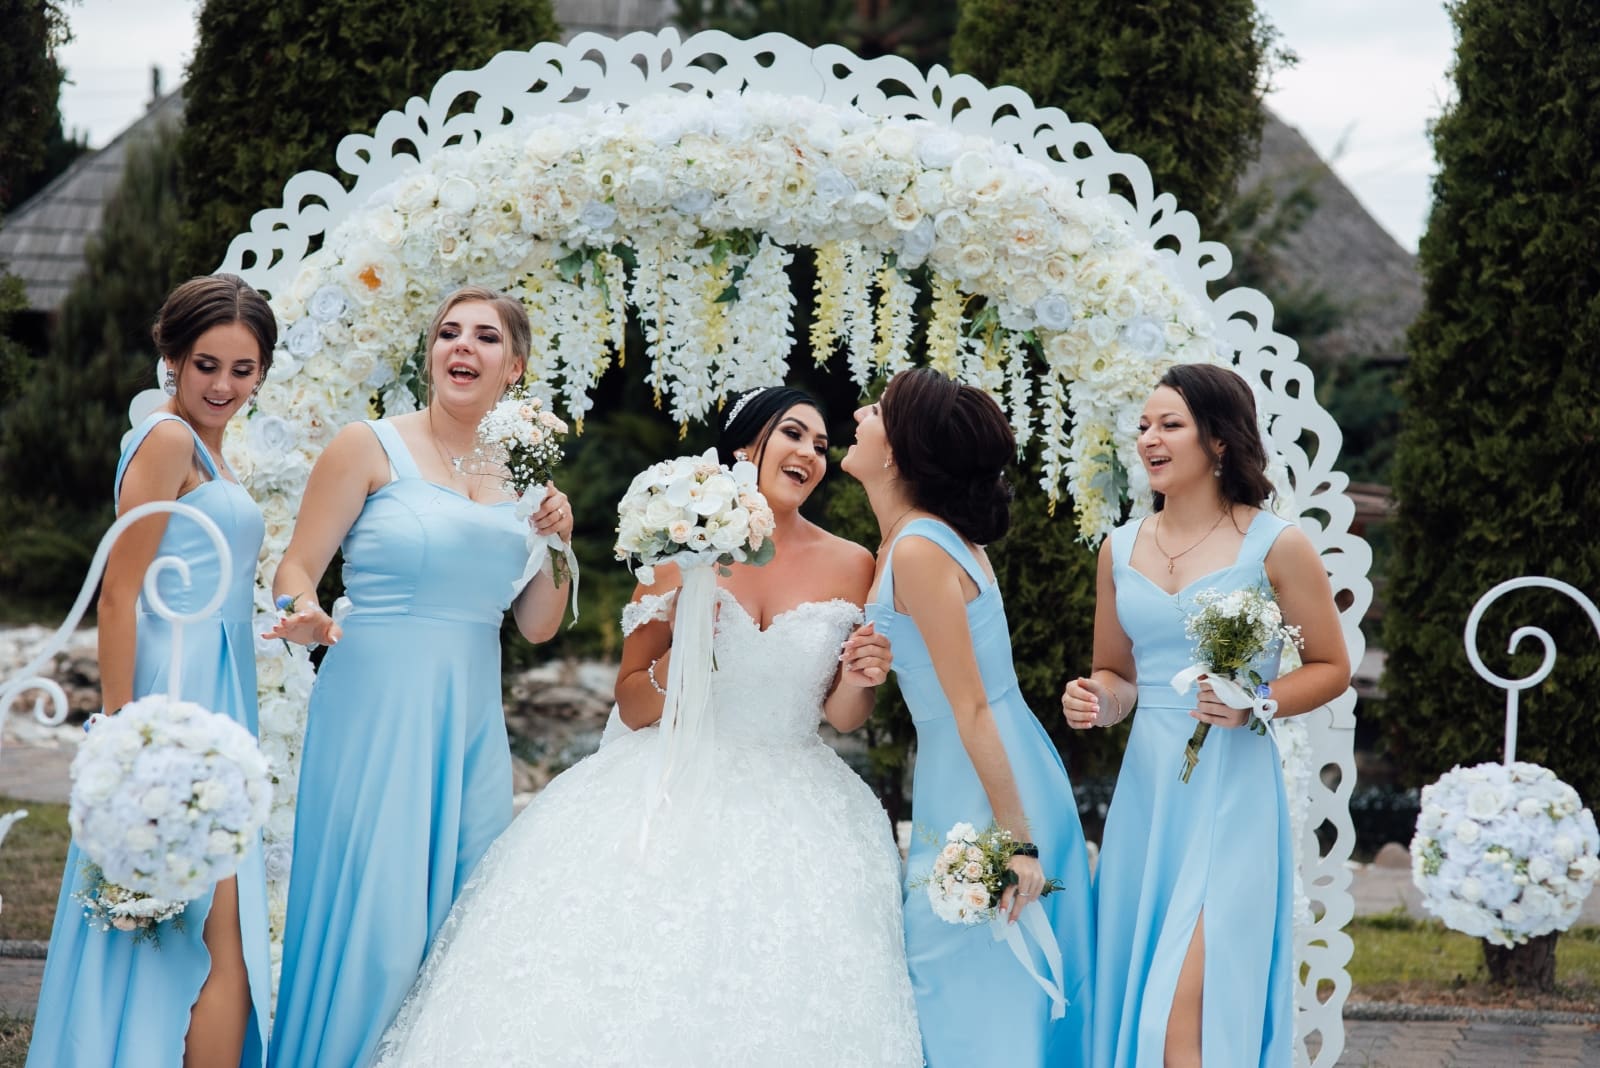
[{"x": 1465, "y": 1044}]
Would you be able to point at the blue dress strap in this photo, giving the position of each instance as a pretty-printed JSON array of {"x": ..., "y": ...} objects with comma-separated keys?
[
  {"x": 1259, "y": 537},
  {"x": 399, "y": 456},
  {"x": 136, "y": 439},
  {"x": 1122, "y": 541},
  {"x": 942, "y": 535}
]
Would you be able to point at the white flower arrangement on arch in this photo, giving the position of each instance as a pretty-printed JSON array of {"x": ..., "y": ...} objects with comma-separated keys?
[{"x": 1505, "y": 852}]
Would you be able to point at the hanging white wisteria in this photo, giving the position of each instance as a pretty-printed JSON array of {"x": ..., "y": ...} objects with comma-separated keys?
[{"x": 685, "y": 210}]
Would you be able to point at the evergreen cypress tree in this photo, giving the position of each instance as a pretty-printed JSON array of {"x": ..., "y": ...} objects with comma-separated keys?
[
  {"x": 276, "y": 84},
  {"x": 1178, "y": 83},
  {"x": 1495, "y": 467}
]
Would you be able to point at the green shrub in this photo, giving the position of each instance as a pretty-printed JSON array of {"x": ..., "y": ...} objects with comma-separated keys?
[
  {"x": 1495, "y": 468},
  {"x": 276, "y": 84}
]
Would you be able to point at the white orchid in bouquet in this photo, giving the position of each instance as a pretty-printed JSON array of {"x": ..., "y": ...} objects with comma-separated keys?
[
  {"x": 693, "y": 510},
  {"x": 166, "y": 798},
  {"x": 520, "y": 440},
  {"x": 1504, "y": 852},
  {"x": 1234, "y": 633}
]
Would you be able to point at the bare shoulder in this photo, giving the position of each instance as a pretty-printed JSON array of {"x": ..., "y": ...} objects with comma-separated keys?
[
  {"x": 166, "y": 455},
  {"x": 843, "y": 568},
  {"x": 1292, "y": 555}
]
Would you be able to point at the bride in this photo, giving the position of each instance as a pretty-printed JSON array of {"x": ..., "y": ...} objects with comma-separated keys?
[{"x": 758, "y": 921}]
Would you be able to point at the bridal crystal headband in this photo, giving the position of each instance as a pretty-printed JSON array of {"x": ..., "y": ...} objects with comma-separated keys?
[{"x": 738, "y": 406}]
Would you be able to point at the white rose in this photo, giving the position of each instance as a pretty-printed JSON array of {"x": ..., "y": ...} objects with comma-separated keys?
[
  {"x": 458, "y": 194},
  {"x": 156, "y": 802},
  {"x": 96, "y": 782},
  {"x": 140, "y": 838},
  {"x": 972, "y": 261},
  {"x": 1467, "y": 832},
  {"x": 1484, "y": 803}
]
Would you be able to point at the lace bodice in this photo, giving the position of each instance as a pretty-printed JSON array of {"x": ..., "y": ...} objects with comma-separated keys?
[{"x": 770, "y": 684}]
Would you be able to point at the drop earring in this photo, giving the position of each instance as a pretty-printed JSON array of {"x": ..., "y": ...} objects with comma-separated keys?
[
  {"x": 170, "y": 384},
  {"x": 741, "y": 455},
  {"x": 1216, "y": 471}
]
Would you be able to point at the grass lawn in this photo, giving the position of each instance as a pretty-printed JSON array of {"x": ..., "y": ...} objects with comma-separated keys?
[
  {"x": 1401, "y": 959},
  {"x": 31, "y": 862},
  {"x": 14, "y": 1032}
]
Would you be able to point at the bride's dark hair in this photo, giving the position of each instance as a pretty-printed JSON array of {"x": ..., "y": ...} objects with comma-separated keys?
[
  {"x": 951, "y": 444},
  {"x": 752, "y": 417}
]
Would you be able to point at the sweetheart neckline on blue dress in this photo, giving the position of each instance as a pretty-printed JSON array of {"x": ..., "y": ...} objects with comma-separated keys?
[{"x": 1192, "y": 583}]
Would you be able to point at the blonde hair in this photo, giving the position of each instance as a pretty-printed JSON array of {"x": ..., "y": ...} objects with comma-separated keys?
[{"x": 513, "y": 320}]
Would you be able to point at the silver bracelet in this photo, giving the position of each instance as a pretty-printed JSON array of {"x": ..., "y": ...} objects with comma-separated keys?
[{"x": 650, "y": 673}]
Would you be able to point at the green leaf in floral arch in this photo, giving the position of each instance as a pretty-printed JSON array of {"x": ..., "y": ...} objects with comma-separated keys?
[{"x": 570, "y": 265}]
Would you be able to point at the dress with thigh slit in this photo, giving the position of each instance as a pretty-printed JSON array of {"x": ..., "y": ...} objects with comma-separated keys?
[
  {"x": 109, "y": 999},
  {"x": 1218, "y": 845}
]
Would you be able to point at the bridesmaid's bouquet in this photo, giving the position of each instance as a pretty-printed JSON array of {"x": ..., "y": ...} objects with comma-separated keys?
[
  {"x": 970, "y": 874},
  {"x": 520, "y": 439},
  {"x": 693, "y": 511},
  {"x": 1232, "y": 631},
  {"x": 166, "y": 797}
]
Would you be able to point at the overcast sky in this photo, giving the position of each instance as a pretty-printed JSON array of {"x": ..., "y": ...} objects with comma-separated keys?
[{"x": 1372, "y": 73}]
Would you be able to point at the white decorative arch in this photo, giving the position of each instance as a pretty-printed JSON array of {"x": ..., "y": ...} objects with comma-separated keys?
[{"x": 333, "y": 361}]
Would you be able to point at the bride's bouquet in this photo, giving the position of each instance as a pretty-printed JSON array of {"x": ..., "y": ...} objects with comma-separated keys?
[
  {"x": 520, "y": 439},
  {"x": 166, "y": 797},
  {"x": 1232, "y": 632},
  {"x": 968, "y": 878},
  {"x": 693, "y": 511},
  {"x": 702, "y": 516}
]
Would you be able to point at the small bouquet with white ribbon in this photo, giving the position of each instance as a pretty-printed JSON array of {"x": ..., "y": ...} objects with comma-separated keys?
[
  {"x": 520, "y": 439},
  {"x": 969, "y": 876},
  {"x": 166, "y": 798},
  {"x": 1232, "y": 633},
  {"x": 702, "y": 516}
]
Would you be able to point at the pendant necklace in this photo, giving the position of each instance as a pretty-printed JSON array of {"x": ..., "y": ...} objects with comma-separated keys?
[{"x": 1172, "y": 558}]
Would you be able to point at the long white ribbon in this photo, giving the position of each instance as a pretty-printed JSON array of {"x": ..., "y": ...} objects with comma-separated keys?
[
  {"x": 1229, "y": 693},
  {"x": 1033, "y": 921},
  {"x": 682, "y": 764},
  {"x": 540, "y": 546}
]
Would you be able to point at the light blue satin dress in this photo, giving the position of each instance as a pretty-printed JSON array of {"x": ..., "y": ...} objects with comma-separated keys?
[
  {"x": 406, "y": 773},
  {"x": 1218, "y": 843},
  {"x": 106, "y": 1001},
  {"x": 976, "y": 1003}
]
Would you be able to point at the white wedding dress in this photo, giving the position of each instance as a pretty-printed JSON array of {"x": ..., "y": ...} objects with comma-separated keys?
[{"x": 763, "y": 931}]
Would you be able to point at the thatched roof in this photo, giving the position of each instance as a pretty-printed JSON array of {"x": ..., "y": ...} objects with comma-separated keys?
[
  {"x": 1340, "y": 250},
  {"x": 43, "y": 241}
]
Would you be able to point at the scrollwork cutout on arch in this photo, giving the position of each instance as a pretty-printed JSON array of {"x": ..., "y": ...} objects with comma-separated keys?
[{"x": 467, "y": 107}]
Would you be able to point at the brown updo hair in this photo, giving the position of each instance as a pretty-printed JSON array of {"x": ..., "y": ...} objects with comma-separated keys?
[
  {"x": 513, "y": 322},
  {"x": 207, "y": 301},
  {"x": 951, "y": 445},
  {"x": 1224, "y": 412}
]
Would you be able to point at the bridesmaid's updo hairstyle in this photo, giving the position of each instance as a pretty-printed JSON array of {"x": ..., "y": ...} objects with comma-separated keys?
[
  {"x": 1224, "y": 413},
  {"x": 513, "y": 320},
  {"x": 752, "y": 417},
  {"x": 951, "y": 444},
  {"x": 207, "y": 301}
]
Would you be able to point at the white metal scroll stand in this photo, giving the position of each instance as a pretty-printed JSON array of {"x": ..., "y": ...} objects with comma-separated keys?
[
  {"x": 1514, "y": 686},
  {"x": 29, "y": 677}
]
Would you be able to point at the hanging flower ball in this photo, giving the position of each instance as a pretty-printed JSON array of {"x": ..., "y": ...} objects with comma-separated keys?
[{"x": 1505, "y": 852}]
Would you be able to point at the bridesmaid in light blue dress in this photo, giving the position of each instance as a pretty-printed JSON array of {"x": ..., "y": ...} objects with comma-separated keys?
[
  {"x": 931, "y": 456},
  {"x": 405, "y": 777},
  {"x": 200, "y": 991},
  {"x": 1194, "y": 891}
]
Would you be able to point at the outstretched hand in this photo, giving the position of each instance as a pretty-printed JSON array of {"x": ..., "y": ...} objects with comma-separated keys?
[
  {"x": 308, "y": 626},
  {"x": 865, "y": 658}
]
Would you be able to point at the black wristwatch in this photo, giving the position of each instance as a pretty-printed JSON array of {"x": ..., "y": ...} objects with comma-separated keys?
[{"x": 1026, "y": 849}]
